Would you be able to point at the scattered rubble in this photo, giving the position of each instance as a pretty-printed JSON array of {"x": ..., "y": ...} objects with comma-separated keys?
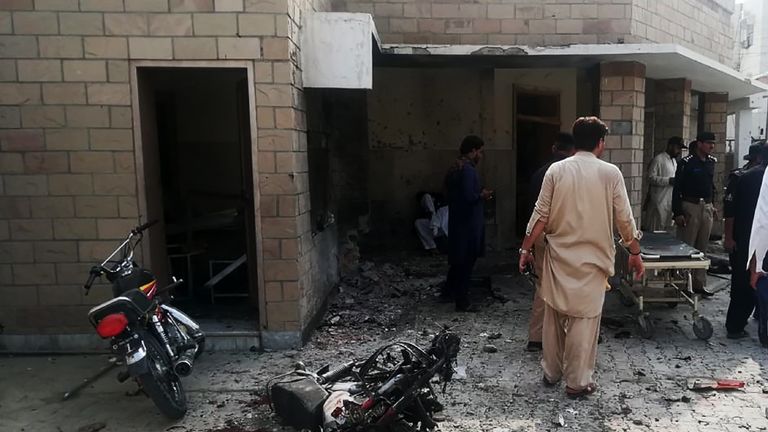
[
  {"x": 93, "y": 427},
  {"x": 490, "y": 348},
  {"x": 380, "y": 295}
]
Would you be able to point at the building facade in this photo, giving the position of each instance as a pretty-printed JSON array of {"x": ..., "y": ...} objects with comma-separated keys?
[
  {"x": 196, "y": 113},
  {"x": 750, "y": 115}
]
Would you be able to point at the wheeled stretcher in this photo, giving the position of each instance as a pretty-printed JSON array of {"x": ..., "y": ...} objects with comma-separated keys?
[{"x": 669, "y": 265}]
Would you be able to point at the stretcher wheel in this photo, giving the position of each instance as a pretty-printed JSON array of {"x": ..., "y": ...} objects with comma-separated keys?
[
  {"x": 645, "y": 326},
  {"x": 702, "y": 328}
]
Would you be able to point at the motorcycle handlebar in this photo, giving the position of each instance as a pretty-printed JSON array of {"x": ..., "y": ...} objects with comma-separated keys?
[
  {"x": 94, "y": 273},
  {"x": 143, "y": 227}
]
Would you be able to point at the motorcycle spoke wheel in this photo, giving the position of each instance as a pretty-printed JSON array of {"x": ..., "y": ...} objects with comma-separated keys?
[{"x": 161, "y": 383}]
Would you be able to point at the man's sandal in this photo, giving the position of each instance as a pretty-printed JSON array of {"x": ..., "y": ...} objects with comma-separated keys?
[{"x": 586, "y": 391}]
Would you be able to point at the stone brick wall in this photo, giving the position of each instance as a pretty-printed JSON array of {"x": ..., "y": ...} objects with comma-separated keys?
[
  {"x": 622, "y": 107},
  {"x": 504, "y": 22},
  {"x": 673, "y": 112},
  {"x": 714, "y": 120},
  {"x": 67, "y": 170},
  {"x": 702, "y": 25}
]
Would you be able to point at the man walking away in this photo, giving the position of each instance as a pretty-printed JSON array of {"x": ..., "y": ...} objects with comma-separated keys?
[
  {"x": 662, "y": 180},
  {"x": 692, "y": 198},
  {"x": 739, "y": 213},
  {"x": 466, "y": 224},
  {"x": 562, "y": 149},
  {"x": 580, "y": 200}
]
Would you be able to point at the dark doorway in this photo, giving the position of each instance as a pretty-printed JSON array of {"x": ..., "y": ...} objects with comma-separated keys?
[
  {"x": 538, "y": 122},
  {"x": 199, "y": 181}
]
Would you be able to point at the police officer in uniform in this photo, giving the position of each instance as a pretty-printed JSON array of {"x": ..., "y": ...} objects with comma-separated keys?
[
  {"x": 753, "y": 159},
  {"x": 741, "y": 201},
  {"x": 692, "y": 201}
]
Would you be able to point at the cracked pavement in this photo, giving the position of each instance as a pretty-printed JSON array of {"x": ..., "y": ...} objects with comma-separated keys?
[{"x": 642, "y": 382}]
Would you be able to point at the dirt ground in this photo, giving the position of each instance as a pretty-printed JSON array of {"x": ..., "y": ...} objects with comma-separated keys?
[{"x": 642, "y": 381}]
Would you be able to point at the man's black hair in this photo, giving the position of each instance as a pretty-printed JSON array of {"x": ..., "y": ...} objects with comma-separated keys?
[
  {"x": 587, "y": 132},
  {"x": 675, "y": 141},
  {"x": 470, "y": 142},
  {"x": 564, "y": 142}
]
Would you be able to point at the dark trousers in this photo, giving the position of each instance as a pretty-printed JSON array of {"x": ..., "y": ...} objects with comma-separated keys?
[
  {"x": 743, "y": 298},
  {"x": 459, "y": 279}
]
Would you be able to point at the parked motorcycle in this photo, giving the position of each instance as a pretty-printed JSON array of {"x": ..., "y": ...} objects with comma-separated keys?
[
  {"x": 159, "y": 342},
  {"x": 390, "y": 391}
]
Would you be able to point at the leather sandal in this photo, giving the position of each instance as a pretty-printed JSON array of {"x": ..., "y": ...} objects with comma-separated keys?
[{"x": 586, "y": 391}]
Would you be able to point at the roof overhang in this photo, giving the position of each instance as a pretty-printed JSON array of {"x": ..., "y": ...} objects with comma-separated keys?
[{"x": 663, "y": 61}]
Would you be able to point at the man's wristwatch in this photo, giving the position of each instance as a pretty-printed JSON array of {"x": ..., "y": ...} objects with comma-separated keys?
[{"x": 522, "y": 251}]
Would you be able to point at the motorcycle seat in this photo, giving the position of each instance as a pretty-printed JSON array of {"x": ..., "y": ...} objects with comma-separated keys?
[{"x": 133, "y": 303}]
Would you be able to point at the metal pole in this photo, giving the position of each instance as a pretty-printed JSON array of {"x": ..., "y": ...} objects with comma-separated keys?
[{"x": 91, "y": 380}]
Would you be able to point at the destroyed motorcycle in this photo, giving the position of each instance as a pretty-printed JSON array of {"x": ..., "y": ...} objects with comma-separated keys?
[
  {"x": 390, "y": 391},
  {"x": 158, "y": 342}
]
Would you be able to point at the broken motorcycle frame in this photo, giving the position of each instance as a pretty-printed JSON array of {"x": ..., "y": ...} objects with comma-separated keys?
[
  {"x": 391, "y": 391},
  {"x": 158, "y": 342}
]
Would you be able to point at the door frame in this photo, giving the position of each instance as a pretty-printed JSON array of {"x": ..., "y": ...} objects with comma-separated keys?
[
  {"x": 141, "y": 184},
  {"x": 517, "y": 90}
]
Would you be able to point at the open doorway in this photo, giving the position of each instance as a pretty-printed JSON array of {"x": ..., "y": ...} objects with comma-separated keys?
[
  {"x": 537, "y": 125},
  {"x": 196, "y": 148}
]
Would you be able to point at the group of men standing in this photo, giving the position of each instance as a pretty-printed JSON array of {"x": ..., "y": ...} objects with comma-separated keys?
[{"x": 582, "y": 201}]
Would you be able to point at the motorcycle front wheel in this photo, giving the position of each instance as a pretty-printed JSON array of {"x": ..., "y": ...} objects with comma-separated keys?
[{"x": 161, "y": 383}]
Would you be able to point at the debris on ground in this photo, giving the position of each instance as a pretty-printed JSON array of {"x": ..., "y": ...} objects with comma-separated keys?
[
  {"x": 713, "y": 384},
  {"x": 490, "y": 348},
  {"x": 93, "y": 427},
  {"x": 677, "y": 398},
  {"x": 559, "y": 420},
  {"x": 381, "y": 295}
]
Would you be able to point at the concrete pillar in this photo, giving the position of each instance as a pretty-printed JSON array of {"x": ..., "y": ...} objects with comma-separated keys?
[
  {"x": 672, "y": 114},
  {"x": 622, "y": 107},
  {"x": 714, "y": 120}
]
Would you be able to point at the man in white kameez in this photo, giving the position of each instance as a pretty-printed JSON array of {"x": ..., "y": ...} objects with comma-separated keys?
[
  {"x": 581, "y": 201},
  {"x": 662, "y": 181}
]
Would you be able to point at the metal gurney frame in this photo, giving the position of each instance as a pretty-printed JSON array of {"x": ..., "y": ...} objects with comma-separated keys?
[{"x": 671, "y": 276}]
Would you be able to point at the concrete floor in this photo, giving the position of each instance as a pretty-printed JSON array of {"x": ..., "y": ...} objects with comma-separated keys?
[{"x": 642, "y": 381}]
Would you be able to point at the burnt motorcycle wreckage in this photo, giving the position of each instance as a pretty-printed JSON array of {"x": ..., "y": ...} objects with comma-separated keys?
[
  {"x": 391, "y": 391},
  {"x": 158, "y": 342}
]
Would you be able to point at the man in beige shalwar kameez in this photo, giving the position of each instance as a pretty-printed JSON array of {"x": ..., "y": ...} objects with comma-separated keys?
[{"x": 581, "y": 201}]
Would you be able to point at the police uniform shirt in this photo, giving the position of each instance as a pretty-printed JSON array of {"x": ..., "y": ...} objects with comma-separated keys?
[
  {"x": 694, "y": 180},
  {"x": 745, "y": 195},
  {"x": 730, "y": 187}
]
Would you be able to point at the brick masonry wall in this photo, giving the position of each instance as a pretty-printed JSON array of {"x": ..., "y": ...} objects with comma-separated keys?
[
  {"x": 67, "y": 171},
  {"x": 504, "y": 22},
  {"x": 715, "y": 113},
  {"x": 622, "y": 102},
  {"x": 673, "y": 111},
  {"x": 701, "y": 25}
]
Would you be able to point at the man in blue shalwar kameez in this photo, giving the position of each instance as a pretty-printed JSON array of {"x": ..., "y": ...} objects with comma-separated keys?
[{"x": 465, "y": 221}]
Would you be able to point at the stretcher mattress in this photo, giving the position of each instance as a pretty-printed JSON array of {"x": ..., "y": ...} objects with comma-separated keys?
[{"x": 664, "y": 246}]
